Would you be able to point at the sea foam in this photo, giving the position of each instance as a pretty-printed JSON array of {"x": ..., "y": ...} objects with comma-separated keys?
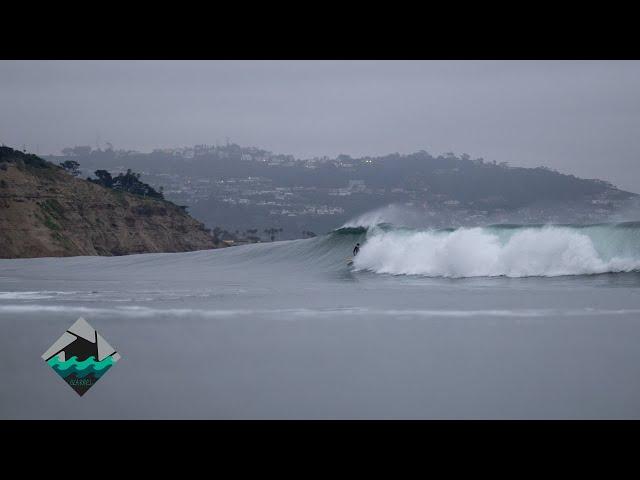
[{"x": 474, "y": 252}]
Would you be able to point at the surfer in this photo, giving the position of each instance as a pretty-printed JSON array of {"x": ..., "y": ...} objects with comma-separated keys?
[{"x": 356, "y": 249}]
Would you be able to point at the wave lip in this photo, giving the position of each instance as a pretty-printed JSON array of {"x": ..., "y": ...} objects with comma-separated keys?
[{"x": 488, "y": 252}]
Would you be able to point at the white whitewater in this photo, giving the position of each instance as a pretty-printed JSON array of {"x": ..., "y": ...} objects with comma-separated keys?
[{"x": 485, "y": 252}]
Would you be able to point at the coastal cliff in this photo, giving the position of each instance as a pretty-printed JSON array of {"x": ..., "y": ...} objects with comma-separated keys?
[{"x": 47, "y": 212}]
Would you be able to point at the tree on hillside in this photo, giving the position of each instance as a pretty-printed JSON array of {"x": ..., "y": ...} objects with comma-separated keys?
[
  {"x": 71, "y": 166},
  {"x": 127, "y": 182},
  {"x": 104, "y": 178}
]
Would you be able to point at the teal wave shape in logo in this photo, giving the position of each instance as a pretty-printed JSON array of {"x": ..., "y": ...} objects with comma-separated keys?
[{"x": 81, "y": 368}]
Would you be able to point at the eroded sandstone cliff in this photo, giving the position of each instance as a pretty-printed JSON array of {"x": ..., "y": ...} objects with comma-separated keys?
[{"x": 46, "y": 212}]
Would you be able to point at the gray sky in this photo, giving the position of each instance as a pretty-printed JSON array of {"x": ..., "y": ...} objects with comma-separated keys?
[{"x": 577, "y": 117}]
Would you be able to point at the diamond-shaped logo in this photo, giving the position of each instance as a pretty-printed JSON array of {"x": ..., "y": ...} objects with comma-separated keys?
[{"x": 81, "y": 356}]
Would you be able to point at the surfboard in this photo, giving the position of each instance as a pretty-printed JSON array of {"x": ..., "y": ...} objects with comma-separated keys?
[{"x": 349, "y": 260}]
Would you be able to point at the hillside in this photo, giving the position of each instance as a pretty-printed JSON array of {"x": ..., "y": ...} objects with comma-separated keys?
[
  {"x": 46, "y": 212},
  {"x": 247, "y": 188}
]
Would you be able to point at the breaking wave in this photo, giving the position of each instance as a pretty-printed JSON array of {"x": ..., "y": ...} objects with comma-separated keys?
[
  {"x": 490, "y": 251},
  {"x": 502, "y": 250}
]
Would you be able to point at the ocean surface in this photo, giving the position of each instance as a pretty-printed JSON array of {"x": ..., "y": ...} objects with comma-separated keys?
[{"x": 504, "y": 321}]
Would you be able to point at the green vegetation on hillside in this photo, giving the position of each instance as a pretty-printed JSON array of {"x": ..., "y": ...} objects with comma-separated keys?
[
  {"x": 126, "y": 182},
  {"x": 22, "y": 159}
]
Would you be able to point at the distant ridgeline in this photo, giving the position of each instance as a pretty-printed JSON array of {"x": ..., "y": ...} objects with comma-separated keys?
[
  {"x": 242, "y": 188},
  {"x": 45, "y": 210}
]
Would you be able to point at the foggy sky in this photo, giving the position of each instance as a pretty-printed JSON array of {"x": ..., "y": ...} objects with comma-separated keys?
[{"x": 577, "y": 117}]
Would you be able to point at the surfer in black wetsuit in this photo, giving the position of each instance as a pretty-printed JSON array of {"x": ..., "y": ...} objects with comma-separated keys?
[{"x": 356, "y": 249}]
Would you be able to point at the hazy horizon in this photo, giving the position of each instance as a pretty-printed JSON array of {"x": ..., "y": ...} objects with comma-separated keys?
[{"x": 578, "y": 117}]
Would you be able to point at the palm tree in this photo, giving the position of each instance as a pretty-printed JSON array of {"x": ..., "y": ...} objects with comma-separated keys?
[{"x": 271, "y": 232}]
